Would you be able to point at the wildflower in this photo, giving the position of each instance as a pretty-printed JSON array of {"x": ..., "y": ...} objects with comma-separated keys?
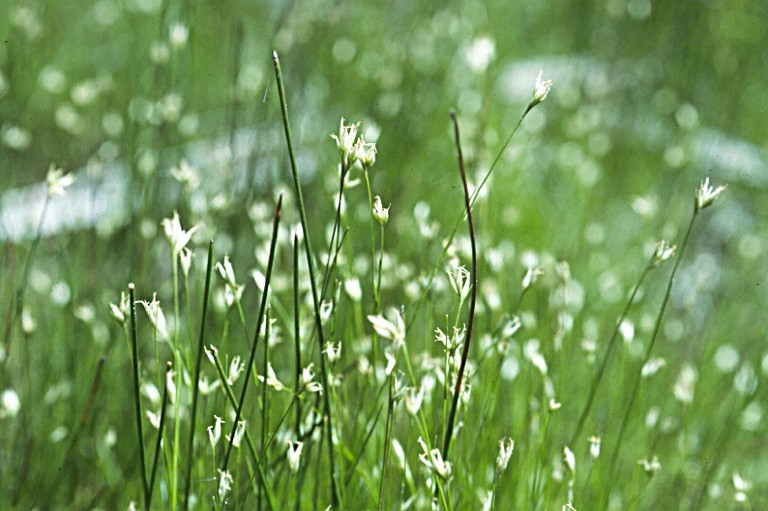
[
  {"x": 333, "y": 351},
  {"x": 10, "y": 404},
  {"x": 179, "y": 34},
  {"x": 271, "y": 379},
  {"x": 741, "y": 486},
  {"x": 154, "y": 418},
  {"x": 568, "y": 507},
  {"x": 662, "y": 252},
  {"x": 186, "y": 175},
  {"x": 570, "y": 459},
  {"x": 294, "y": 455},
  {"x": 185, "y": 258},
  {"x": 57, "y": 181},
  {"x": 706, "y": 195},
  {"x": 171, "y": 385},
  {"x": 683, "y": 388},
  {"x": 531, "y": 276},
  {"x": 353, "y": 289},
  {"x": 380, "y": 213},
  {"x": 540, "y": 90},
  {"x": 554, "y": 405},
  {"x": 176, "y": 236},
  {"x": 239, "y": 432},
  {"x": 480, "y": 54},
  {"x": 505, "y": 453},
  {"x": 413, "y": 399},
  {"x": 122, "y": 311},
  {"x": 391, "y": 361},
  {"x": 594, "y": 446},
  {"x": 650, "y": 467},
  {"x": 460, "y": 282},
  {"x": 346, "y": 141},
  {"x": 235, "y": 368},
  {"x": 214, "y": 432},
  {"x": 306, "y": 381},
  {"x": 156, "y": 316},
  {"x": 433, "y": 460},
  {"x": 388, "y": 329},
  {"x": 365, "y": 152},
  {"x": 211, "y": 353},
  {"x": 652, "y": 366},
  {"x": 226, "y": 272},
  {"x": 225, "y": 483}
]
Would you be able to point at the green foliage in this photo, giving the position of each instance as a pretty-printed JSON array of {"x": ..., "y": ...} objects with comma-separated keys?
[{"x": 167, "y": 115}]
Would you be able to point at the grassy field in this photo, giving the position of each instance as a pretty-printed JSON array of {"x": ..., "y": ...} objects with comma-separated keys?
[{"x": 239, "y": 279}]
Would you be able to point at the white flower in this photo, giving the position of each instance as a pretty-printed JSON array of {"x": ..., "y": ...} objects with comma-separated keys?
[
  {"x": 294, "y": 455},
  {"x": 122, "y": 311},
  {"x": 706, "y": 195},
  {"x": 434, "y": 461},
  {"x": 353, "y": 289},
  {"x": 235, "y": 368},
  {"x": 214, "y": 432},
  {"x": 365, "y": 152},
  {"x": 57, "y": 181},
  {"x": 554, "y": 405},
  {"x": 156, "y": 316},
  {"x": 154, "y": 418},
  {"x": 460, "y": 282},
  {"x": 332, "y": 351},
  {"x": 10, "y": 404},
  {"x": 185, "y": 258},
  {"x": 540, "y": 90},
  {"x": 388, "y": 329},
  {"x": 505, "y": 453},
  {"x": 570, "y": 459},
  {"x": 227, "y": 273},
  {"x": 211, "y": 354},
  {"x": 225, "y": 483},
  {"x": 650, "y": 467},
  {"x": 652, "y": 366},
  {"x": 413, "y": 399},
  {"x": 346, "y": 141},
  {"x": 380, "y": 213},
  {"x": 186, "y": 175},
  {"x": 663, "y": 252},
  {"x": 480, "y": 54},
  {"x": 271, "y": 379},
  {"x": 684, "y": 386},
  {"x": 239, "y": 432},
  {"x": 531, "y": 276},
  {"x": 594, "y": 446},
  {"x": 306, "y": 381},
  {"x": 391, "y": 361},
  {"x": 179, "y": 34},
  {"x": 176, "y": 236}
]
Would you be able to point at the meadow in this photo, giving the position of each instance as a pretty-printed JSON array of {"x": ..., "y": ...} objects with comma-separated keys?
[{"x": 325, "y": 255}]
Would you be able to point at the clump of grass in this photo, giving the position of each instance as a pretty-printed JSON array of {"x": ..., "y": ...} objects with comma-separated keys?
[{"x": 392, "y": 421}]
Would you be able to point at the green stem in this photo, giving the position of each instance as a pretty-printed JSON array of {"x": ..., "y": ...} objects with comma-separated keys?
[
  {"x": 312, "y": 281},
  {"x": 160, "y": 431},
  {"x": 649, "y": 350},
  {"x": 136, "y": 398},
  {"x": 196, "y": 381},
  {"x": 262, "y": 309}
]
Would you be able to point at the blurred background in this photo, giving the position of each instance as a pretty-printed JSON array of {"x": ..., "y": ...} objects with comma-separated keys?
[{"x": 649, "y": 98}]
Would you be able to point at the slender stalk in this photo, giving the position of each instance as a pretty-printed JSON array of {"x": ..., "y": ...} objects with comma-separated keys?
[
  {"x": 449, "y": 241},
  {"x": 374, "y": 287},
  {"x": 606, "y": 356},
  {"x": 312, "y": 281},
  {"x": 160, "y": 431},
  {"x": 264, "y": 400},
  {"x": 248, "y": 439},
  {"x": 636, "y": 385},
  {"x": 262, "y": 309},
  {"x": 137, "y": 400},
  {"x": 17, "y": 303},
  {"x": 387, "y": 441},
  {"x": 473, "y": 299},
  {"x": 196, "y": 381}
]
